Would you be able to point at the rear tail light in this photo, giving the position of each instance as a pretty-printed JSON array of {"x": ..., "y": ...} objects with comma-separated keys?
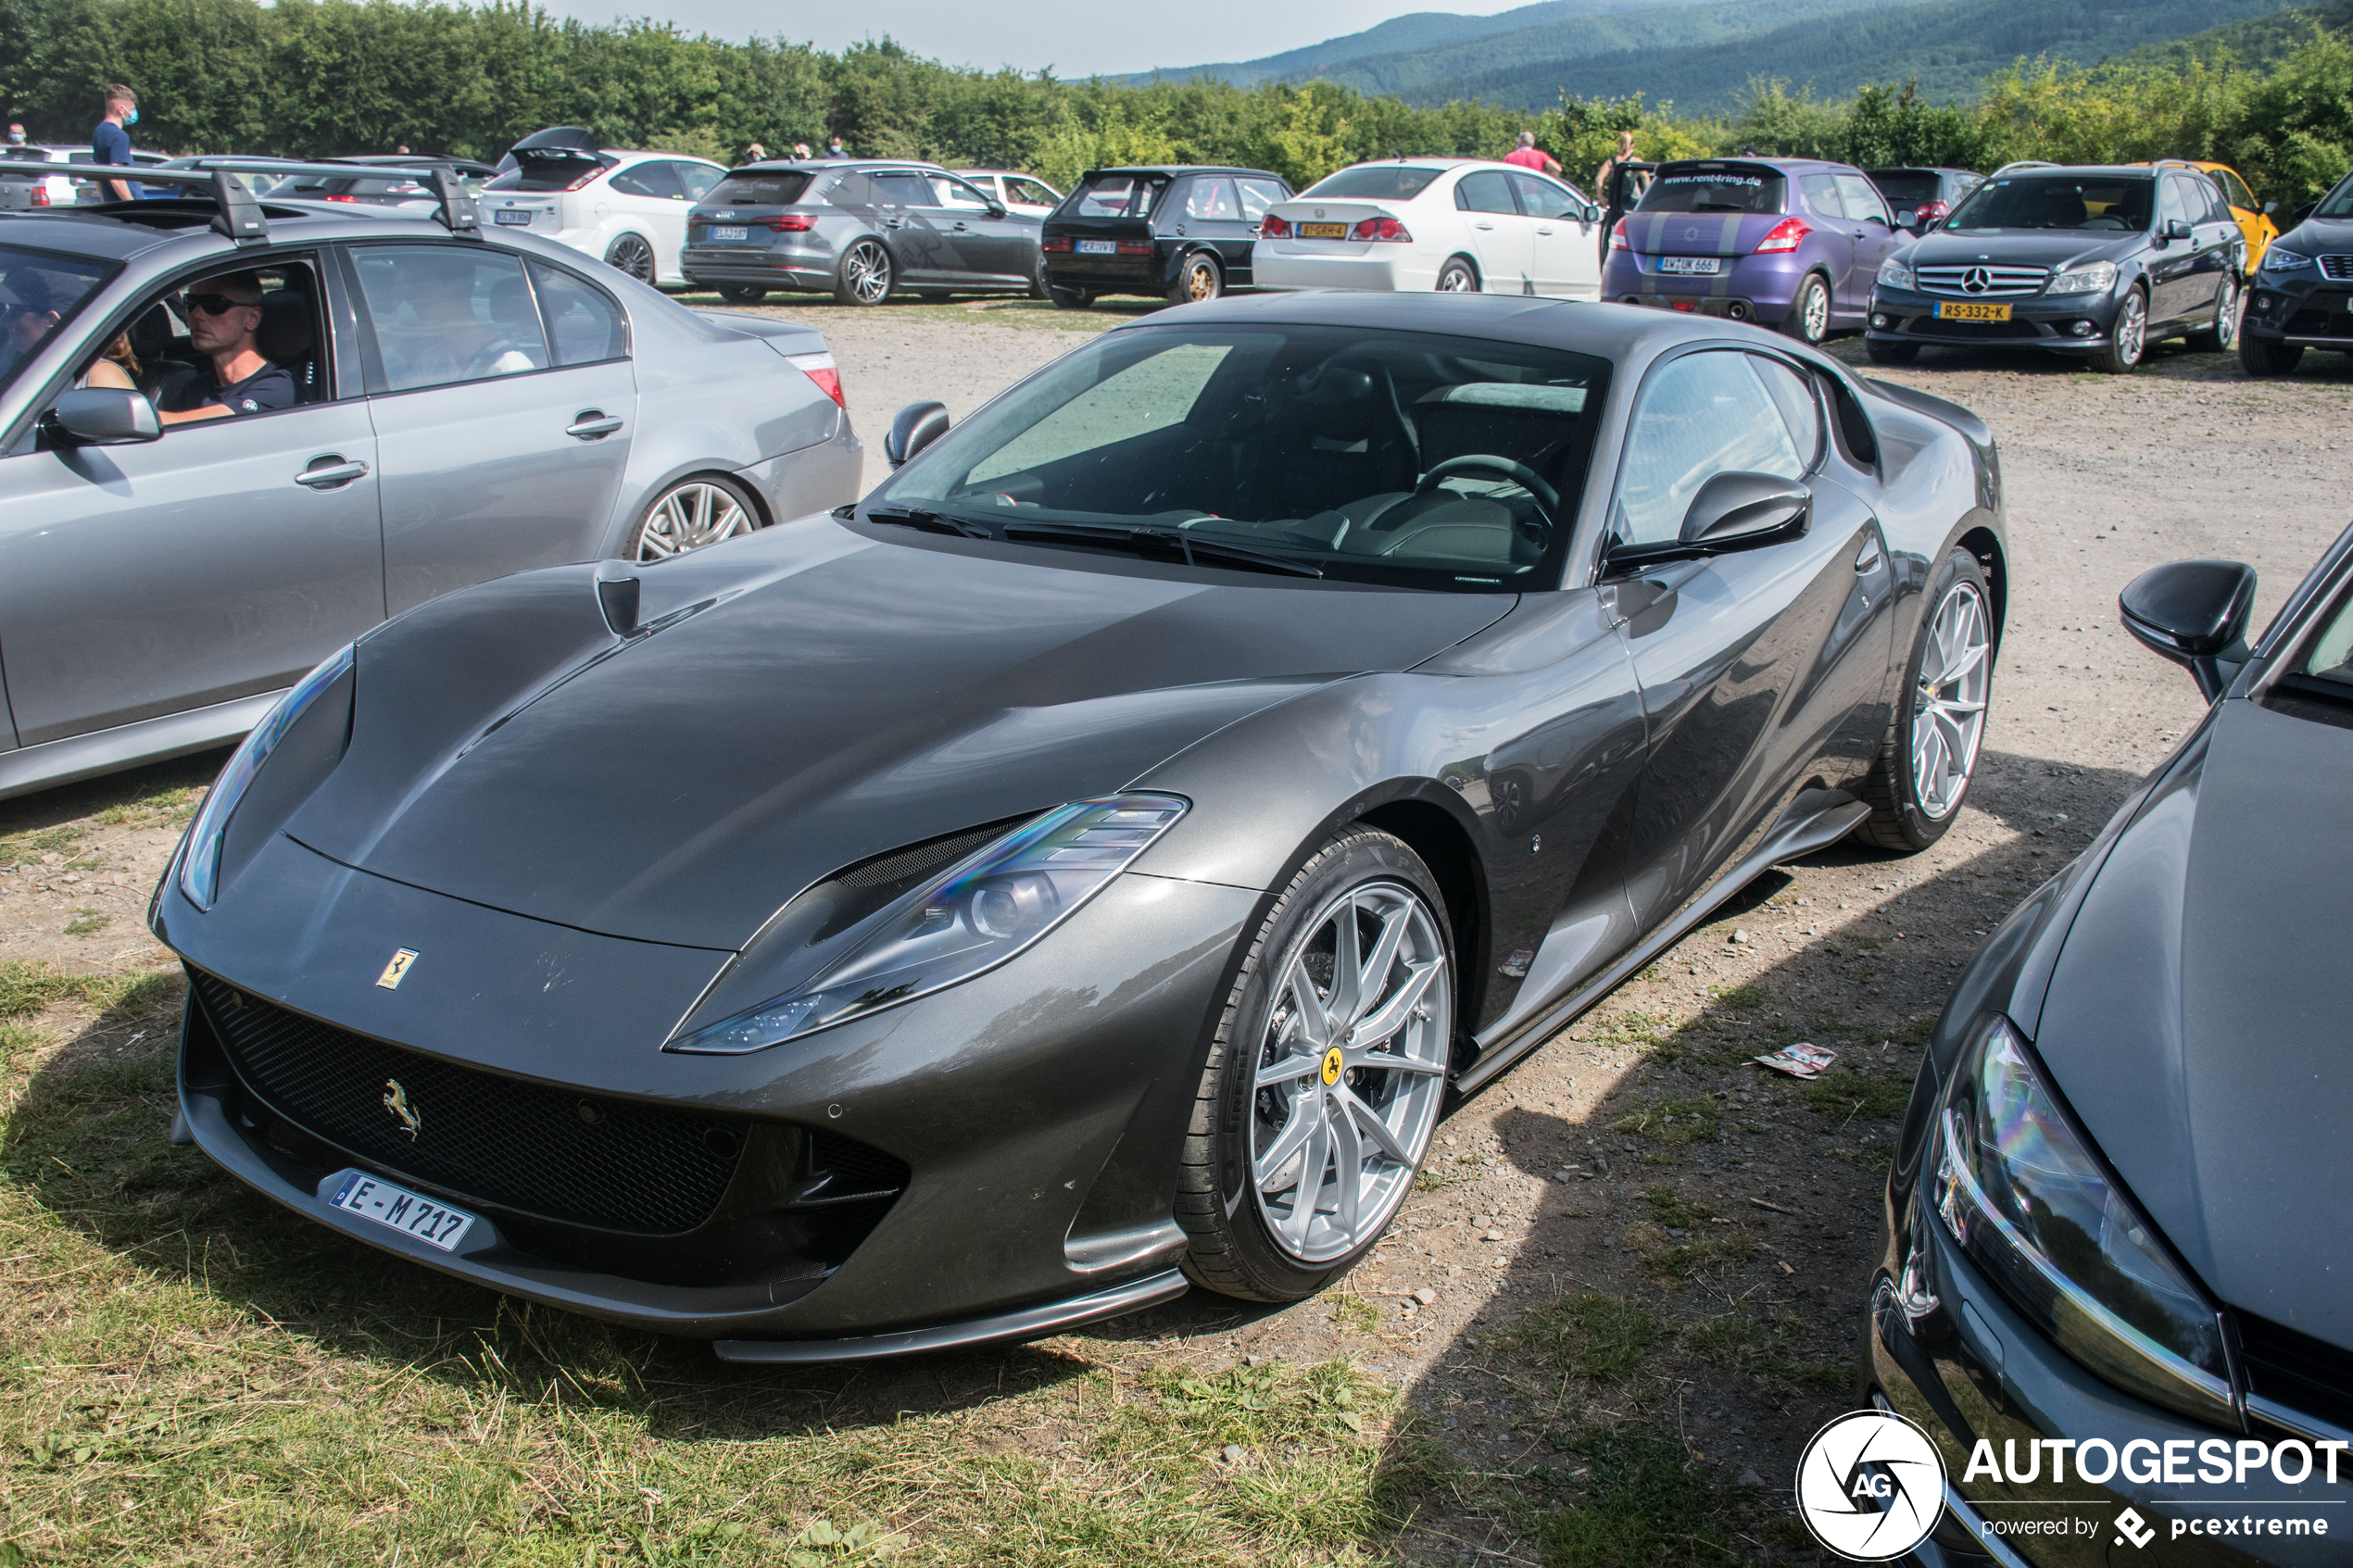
[
  {"x": 821, "y": 369},
  {"x": 1788, "y": 234},
  {"x": 581, "y": 183},
  {"x": 40, "y": 196},
  {"x": 1934, "y": 211},
  {"x": 1060, "y": 244},
  {"x": 1273, "y": 227},
  {"x": 338, "y": 198},
  {"x": 791, "y": 223},
  {"x": 1135, "y": 247},
  {"x": 1380, "y": 228},
  {"x": 1617, "y": 236}
]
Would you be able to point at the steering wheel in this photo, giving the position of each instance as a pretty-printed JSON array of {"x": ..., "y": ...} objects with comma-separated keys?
[{"x": 1548, "y": 499}]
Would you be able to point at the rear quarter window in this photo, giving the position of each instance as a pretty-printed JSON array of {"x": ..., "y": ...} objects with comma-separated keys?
[{"x": 1118, "y": 195}]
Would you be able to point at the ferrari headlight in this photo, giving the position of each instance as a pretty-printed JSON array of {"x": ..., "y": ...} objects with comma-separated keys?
[
  {"x": 2098, "y": 278},
  {"x": 2281, "y": 259},
  {"x": 200, "y": 867},
  {"x": 2018, "y": 1187},
  {"x": 1894, "y": 274},
  {"x": 973, "y": 917}
]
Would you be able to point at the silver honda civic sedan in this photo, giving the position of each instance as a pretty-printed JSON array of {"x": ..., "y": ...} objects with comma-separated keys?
[{"x": 222, "y": 458}]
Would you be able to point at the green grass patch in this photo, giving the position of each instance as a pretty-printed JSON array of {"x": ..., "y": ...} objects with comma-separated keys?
[
  {"x": 1847, "y": 1095},
  {"x": 1669, "y": 1209},
  {"x": 26, "y": 848},
  {"x": 88, "y": 922},
  {"x": 1352, "y": 1311},
  {"x": 1674, "y": 1122},
  {"x": 1765, "y": 1349},
  {"x": 1648, "y": 1505},
  {"x": 1747, "y": 997},
  {"x": 28, "y": 987},
  {"x": 1591, "y": 1335}
]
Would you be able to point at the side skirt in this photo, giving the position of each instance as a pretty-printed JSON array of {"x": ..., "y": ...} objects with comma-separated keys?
[{"x": 149, "y": 740}]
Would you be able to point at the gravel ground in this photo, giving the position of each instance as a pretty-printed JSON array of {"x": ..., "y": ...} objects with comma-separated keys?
[{"x": 1637, "y": 1183}]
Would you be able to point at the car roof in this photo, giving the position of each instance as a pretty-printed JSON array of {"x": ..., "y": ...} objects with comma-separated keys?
[
  {"x": 819, "y": 165},
  {"x": 1779, "y": 164},
  {"x": 1182, "y": 168},
  {"x": 83, "y": 232}
]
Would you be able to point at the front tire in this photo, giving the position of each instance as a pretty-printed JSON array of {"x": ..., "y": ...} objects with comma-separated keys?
[
  {"x": 1809, "y": 314},
  {"x": 2128, "y": 340},
  {"x": 1458, "y": 276},
  {"x": 742, "y": 293},
  {"x": 1199, "y": 280},
  {"x": 865, "y": 274},
  {"x": 1326, "y": 1077},
  {"x": 690, "y": 514},
  {"x": 2223, "y": 335},
  {"x": 632, "y": 255},
  {"x": 1929, "y": 754},
  {"x": 1890, "y": 353},
  {"x": 2261, "y": 357}
]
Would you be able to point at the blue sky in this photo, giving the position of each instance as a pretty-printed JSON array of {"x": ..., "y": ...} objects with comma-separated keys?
[{"x": 1076, "y": 40}]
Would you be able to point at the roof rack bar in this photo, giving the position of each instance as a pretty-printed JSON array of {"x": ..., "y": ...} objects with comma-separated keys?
[{"x": 241, "y": 217}]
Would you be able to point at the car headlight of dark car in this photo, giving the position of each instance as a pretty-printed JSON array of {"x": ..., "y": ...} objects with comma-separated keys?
[
  {"x": 1894, "y": 274},
  {"x": 2017, "y": 1185},
  {"x": 983, "y": 910},
  {"x": 200, "y": 867},
  {"x": 2096, "y": 278},
  {"x": 2279, "y": 258}
]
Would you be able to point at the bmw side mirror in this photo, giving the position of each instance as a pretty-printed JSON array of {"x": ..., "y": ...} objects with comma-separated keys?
[
  {"x": 914, "y": 428},
  {"x": 2195, "y": 613},
  {"x": 102, "y": 416}
]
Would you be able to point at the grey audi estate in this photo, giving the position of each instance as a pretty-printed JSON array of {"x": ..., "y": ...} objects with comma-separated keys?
[{"x": 446, "y": 404}]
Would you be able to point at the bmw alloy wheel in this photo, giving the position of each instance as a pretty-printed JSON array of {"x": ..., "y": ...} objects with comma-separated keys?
[
  {"x": 867, "y": 270},
  {"x": 632, "y": 255},
  {"x": 690, "y": 515},
  {"x": 1351, "y": 1071},
  {"x": 1948, "y": 710}
]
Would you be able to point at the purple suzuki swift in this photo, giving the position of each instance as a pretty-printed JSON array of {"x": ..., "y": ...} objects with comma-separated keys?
[{"x": 1788, "y": 243}]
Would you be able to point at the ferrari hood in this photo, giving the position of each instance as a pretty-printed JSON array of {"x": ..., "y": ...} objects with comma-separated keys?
[
  {"x": 2196, "y": 1016},
  {"x": 798, "y": 701}
]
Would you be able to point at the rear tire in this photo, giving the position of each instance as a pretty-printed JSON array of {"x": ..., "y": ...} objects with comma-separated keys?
[
  {"x": 1199, "y": 280},
  {"x": 1239, "y": 1190},
  {"x": 1069, "y": 298},
  {"x": 1458, "y": 276},
  {"x": 690, "y": 514},
  {"x": 2261, "y": 357},
  {"x": 1929, "y": 756},
  {"x": 865, "y": 275},
  {"x": 2223, "y": 335},
  {"x": 1891, "y": 353},
  {"x": 1809, "y": 314},
  {"x": 742, "y": 293},
  {"x": 1037, "y": 285},
  {"x": 2128, "y": 340},
  {"x": 631, "y": 254}
]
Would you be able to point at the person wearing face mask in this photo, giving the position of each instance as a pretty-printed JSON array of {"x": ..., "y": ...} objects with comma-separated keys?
[
  {"x": 111, "y": 141},
  {"x": 16, "y": 134}
]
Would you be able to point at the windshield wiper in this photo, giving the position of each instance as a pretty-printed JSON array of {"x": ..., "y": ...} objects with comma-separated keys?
[
  {"x": 930, "y": 522},
  {"x": 1155, "y": 542}
]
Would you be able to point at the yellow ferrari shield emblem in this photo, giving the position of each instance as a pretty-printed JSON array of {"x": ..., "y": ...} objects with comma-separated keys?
[
  {"x": 1331, "y": 1067},
  {"x": 397, "y": 969}
]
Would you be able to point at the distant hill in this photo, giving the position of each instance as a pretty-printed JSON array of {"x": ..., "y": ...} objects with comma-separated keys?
[
  {"x": 2260, "y": 41},
  {"x": 1703, "y": 56}
]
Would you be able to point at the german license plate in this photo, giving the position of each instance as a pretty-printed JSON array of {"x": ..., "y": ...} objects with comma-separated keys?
[
  {"x": 1322, "y": 230},
  {"x": 1099, "y": 247},
  {"x": 509, "y": 215},
  {"x": 372, "y": 1198},
  {"x": 1698, "y": 266},
  {"x": 730, "y": 232},
  {"x": 1970, "y": 310}
]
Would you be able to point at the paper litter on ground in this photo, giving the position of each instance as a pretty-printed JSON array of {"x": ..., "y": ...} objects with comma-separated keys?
[{"x": 1803, "y": 1059}]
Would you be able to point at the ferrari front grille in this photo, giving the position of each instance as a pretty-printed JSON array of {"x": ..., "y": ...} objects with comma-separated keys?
[{"x": 536, "y": 1149}]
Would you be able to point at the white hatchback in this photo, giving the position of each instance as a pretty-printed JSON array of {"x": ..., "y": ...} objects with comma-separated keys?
[
  {"x": 1454, "y": 225},
  {"x": 625, "y": 208},
  {"x": 1025, "y": 193}
]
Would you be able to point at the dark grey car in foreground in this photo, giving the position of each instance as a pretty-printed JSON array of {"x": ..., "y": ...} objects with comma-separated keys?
[
  {"x": 1084, "y": 865},
  {"x": 2117, "y": 1215}
]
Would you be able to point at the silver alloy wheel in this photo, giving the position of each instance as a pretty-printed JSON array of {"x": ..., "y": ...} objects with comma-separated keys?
[
  {"x": 688, "y": 517},
  {"x": 1457, "y": 278},
  {"x": 1351, "y": 1071},
  {"x": 632, "y": 256},
  {"x": 1948, "y": 704},
  {"x": 1817, "y": 300},
  {"x": 868, "y": 269},
  {"x": 2226, "y": 315},
  {"x": 2131, "y": 328}
]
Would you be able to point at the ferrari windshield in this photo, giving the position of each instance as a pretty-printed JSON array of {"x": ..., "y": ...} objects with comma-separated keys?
[
  {"x": 1401, "y": 457},
  {"x": 2055, "y": 201}
]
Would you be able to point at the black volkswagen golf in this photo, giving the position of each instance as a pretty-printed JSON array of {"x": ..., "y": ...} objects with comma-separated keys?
[
  {"x": 2303, "y": 294},
  {"x": 2099, "y": 262},
  {"x": 1177, "y": 230}
]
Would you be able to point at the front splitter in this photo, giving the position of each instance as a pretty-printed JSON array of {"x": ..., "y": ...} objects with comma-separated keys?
[{"x": 1030, "y": 1323}]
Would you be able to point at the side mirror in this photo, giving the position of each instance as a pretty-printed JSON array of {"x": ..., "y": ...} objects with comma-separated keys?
[
  {"x": 914, "y": 428},
  {"x": 101, "y": 416},
  {"x": 2193, "y": 612},
  {"x": 2175, "y": 229},
  {"x": 996, "y": 210},
  {"x": 2269, "y": 208},
  {"x": 1593, "y": 213},
  {"x": 1732, "y": 511}
]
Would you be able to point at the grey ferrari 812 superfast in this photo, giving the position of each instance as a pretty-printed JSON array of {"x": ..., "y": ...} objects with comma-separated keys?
[{"x": 1093, "y": 863}]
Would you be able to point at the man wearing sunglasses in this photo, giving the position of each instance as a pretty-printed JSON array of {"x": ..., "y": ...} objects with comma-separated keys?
[{"x": 223, "y": 313}]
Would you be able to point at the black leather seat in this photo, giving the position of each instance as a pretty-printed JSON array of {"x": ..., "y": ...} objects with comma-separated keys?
[
  {"x": 288, "y": 337},
  {"x": 1344, "y": 438}
]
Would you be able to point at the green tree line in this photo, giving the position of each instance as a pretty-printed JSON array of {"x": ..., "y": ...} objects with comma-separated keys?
[{"x": 310, "y": 78}]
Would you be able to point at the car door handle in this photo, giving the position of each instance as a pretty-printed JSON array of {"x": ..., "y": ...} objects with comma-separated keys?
[
  {"x": 592, "y": 424},
  {"x": 1482, "y": 225},
  {"x": 959, "y": 229},
  {"x": 331, "y": 472},
  {"x": 894, "y": 222},
  {"x": 1541, "y": 230}
]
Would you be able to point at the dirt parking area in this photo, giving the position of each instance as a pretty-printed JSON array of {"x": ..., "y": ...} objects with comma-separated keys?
[{"x": 1628, "y": 1287}]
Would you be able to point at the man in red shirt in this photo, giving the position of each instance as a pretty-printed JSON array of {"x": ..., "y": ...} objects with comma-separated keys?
[{"x": 1528, "y": 155}]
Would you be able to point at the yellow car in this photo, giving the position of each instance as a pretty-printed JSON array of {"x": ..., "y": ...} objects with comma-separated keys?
[{"x": 2254, "y": 218}]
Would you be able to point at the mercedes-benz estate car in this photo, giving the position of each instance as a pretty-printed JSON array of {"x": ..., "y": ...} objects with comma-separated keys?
[
  {"x": 420, "y": 407},
  {"x": 2097, "y": 263},
  {"x": 2303, "y": 291},
  {"x": 861, "y": 230},
  {"x": 1786, "y": 243},
  {"x": 1452, "y": 225}
]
